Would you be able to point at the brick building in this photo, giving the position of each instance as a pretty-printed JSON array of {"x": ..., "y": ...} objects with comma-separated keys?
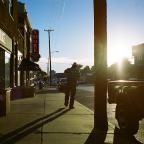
[{"x": 15, "y": 45}]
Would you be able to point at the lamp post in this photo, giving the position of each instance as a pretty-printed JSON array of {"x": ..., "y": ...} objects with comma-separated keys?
[
  {"x": 49, "y": 58},
  {"x": 100, "y": 59}
]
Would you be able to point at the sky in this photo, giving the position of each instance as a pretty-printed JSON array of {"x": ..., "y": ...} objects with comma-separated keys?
[{"x": 73, "y": 25}]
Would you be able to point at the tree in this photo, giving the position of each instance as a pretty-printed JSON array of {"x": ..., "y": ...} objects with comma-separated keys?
[
  {"x": 122, "y": 70},
  {"x": 93, "y": 69},
  {"x": 79, "y": 66},
  {"x": 85, "y": 70}
]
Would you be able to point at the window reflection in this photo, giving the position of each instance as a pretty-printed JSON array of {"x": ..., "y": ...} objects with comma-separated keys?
[{"x": 7, "y": 70}]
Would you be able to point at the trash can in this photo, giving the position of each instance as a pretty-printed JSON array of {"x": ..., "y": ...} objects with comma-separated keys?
[{"x": 4, "y": 101}]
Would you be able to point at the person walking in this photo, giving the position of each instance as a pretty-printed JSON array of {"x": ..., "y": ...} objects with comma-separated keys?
[{"x": 72, "y": 75}]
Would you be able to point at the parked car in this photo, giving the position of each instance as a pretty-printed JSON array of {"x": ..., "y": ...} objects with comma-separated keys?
[
  {"x": 54, "y": 82},
  {"x": 62, "y": 84}
]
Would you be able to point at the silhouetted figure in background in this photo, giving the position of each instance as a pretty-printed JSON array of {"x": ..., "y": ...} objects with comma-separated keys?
[
  {"x": 72, "y": 75},
  {"x": 40, "y": 84}
]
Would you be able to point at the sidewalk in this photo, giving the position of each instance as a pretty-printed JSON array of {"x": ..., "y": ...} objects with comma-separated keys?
[{"x": 44, "y": 120}]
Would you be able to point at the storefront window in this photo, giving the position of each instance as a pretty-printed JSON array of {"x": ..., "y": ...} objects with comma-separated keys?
[{"x": 7, "y": 70}]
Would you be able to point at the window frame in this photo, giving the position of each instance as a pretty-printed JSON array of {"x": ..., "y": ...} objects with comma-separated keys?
[
  {"x": 11, "y": 7},
  {"x": 7, "y": 73}
]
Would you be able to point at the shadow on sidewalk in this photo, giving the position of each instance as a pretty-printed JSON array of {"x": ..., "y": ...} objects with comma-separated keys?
[
  {"x": 96, "y": 137},
  {"x": 25, "y": 130},
  {"x": 120, "y": 138}
]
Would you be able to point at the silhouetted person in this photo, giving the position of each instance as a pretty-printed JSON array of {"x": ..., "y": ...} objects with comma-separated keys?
[
  {"x": 40, "y": 84},
  {"x": 72, "y": 75}
]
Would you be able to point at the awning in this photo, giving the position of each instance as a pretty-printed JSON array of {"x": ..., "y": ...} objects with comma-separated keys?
[{"x": 27, "y": 65}]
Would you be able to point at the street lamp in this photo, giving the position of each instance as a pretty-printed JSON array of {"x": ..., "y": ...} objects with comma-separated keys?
[{"x": 49, "y": 58}]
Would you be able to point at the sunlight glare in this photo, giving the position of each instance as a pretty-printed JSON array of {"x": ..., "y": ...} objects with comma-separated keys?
[{"x": 118, "y": 50}]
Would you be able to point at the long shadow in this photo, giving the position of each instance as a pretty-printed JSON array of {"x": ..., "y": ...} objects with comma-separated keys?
[
  {"x": 23, "y": 131},
  {"x": 121, "y": 138},
  {"x": 96, "y": 137}
]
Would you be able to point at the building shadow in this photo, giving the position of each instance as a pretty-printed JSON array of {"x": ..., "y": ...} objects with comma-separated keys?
[
  {"x": 121, "y": 138},
  {"x": 96, "y": 137}
]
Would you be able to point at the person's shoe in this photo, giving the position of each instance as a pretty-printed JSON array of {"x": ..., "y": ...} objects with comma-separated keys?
[
  {"x": 71, "y": 107},
  {"x": 65, "y": 104}
]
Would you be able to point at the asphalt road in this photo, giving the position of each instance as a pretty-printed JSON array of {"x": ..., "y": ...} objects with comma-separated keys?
[{"x": 85, "y": 95}]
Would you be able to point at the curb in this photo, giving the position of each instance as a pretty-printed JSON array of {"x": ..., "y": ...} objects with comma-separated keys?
[{"x": 113, "y": 126}]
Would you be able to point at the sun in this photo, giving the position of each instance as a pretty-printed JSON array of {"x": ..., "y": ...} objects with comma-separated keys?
[{"x": 117, "y": 51}]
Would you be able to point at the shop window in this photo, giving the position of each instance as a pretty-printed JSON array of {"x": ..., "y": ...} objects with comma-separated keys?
[
  {"x": 2, "y": 71},
  {"x": 7, "y": 70}
]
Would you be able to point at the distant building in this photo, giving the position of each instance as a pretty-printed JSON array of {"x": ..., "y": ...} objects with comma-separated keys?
[
  {"x": 138, "y": 54},
  {"x": 59, "y": 75}
]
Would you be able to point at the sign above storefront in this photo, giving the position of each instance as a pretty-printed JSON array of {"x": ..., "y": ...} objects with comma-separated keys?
[
  {"x": 2, "y": 37},
  {"x": 35, "y": 41},
  {"x": 5, "y": 40},
  {"x": 35, "y": 45}
]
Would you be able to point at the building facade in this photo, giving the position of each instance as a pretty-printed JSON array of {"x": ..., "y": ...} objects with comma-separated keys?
[
  {"x": 138, "y": 54},
  {"x": 26, "y": 31},
  {"x": 8, "y": 42},
  {"x": 15, "y": 42},
  {"x": 15, "y": 45}
]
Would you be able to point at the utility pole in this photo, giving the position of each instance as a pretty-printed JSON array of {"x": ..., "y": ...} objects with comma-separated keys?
[
  {"x": 100, "y": 62},
  {"x": 49, "y": 58}
]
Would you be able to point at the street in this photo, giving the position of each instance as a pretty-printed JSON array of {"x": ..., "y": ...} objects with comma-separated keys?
[
  {"x": 43, "y": 119},
  {"x": 85, "y": 95}
]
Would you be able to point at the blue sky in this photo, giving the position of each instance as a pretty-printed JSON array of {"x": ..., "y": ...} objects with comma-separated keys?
[
  {"x": 72, "y": 21},
  {"x": 125, "y": 27}
]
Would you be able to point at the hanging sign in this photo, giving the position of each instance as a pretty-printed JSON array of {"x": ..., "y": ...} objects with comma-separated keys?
[
  {"x": 35, "y": 41},
  {"x": 35, "y": 45}
]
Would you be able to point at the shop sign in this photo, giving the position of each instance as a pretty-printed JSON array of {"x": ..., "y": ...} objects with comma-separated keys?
[
  {"x": 2, "y": 37},
  {"x": 5, "y": 40},
  {"x": 35, "y": 41}
]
